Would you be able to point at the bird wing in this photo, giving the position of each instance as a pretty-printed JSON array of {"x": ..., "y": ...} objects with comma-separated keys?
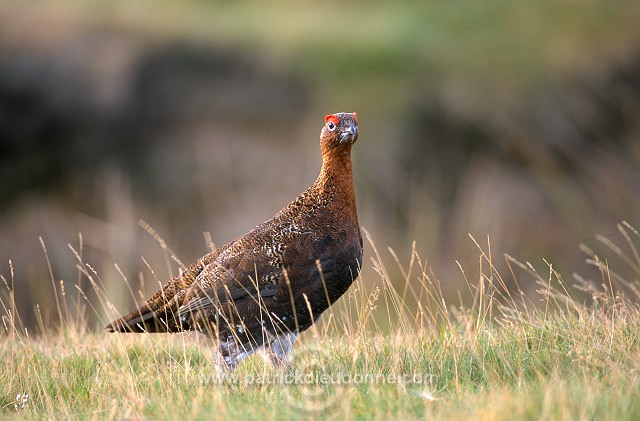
[
  {"x": 240, "y": 273},
  {"x": 213, "y": 298},
  {"x": 246, "y": 268}
]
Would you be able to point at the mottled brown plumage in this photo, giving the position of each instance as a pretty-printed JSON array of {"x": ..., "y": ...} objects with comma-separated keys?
[{"x": 265, "y": 287}]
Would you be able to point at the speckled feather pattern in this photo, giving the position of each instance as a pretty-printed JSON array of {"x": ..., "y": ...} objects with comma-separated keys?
[{"x": 262, "y": 289}]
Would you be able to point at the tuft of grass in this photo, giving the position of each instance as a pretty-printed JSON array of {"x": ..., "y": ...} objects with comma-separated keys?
[{"x": 380, "y": 352}]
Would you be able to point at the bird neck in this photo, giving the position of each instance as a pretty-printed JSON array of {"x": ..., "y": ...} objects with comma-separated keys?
[{"x": 336, "y": 173}]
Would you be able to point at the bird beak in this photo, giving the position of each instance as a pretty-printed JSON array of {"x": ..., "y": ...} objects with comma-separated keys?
[{"x": 349, "y": 135}]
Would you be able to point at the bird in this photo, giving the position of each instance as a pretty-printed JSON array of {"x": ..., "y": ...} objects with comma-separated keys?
[{"x": 261, "y": 290}]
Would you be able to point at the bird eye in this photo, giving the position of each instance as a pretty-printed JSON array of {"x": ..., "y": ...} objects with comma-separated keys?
[{"x": 332, "y": 122}]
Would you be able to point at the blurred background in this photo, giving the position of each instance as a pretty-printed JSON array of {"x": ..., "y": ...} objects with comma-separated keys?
[{"x": 517, "y": 122}]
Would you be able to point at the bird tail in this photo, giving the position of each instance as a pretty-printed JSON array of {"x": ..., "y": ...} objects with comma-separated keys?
[
  {"x": 160, "y": 312},
  {"x": 146, "y": 319}
]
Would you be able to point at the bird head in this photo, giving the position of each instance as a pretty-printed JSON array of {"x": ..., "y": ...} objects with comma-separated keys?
[{"x": 339, "y": 129}]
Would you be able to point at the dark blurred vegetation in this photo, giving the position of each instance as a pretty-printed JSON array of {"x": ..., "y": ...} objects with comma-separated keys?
[{"x": 514, "y": 121}]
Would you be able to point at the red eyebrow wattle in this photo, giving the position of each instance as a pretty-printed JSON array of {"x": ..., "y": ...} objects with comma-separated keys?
[{"x": 331, "y": 118}]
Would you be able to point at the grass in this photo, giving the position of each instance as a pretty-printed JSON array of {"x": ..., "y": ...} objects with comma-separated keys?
[{"x": 379, "y": 352}]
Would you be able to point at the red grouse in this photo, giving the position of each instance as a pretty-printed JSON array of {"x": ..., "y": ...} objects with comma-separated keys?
[{"x": 264, "y": 288}]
